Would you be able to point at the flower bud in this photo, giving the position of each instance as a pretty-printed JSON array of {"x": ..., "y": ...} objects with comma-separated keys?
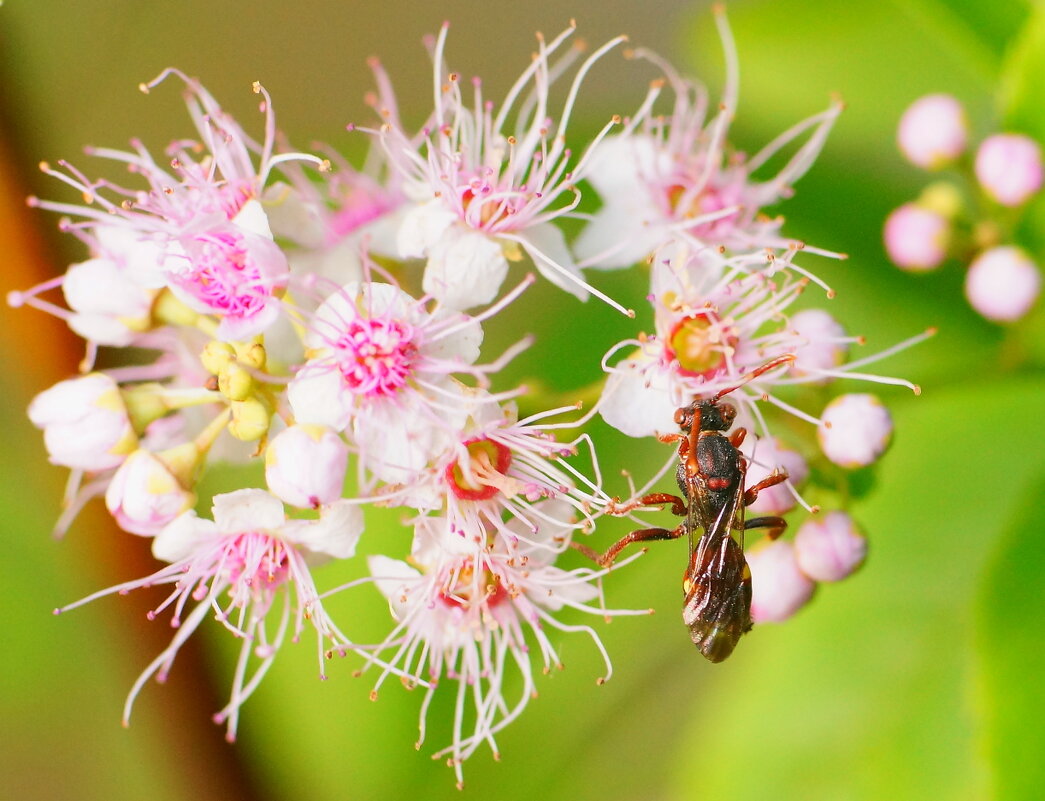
[
  {"x": 1002, "y": 284},
  {"x": 933, "y": 131},
  {"x": 916, "y": 238},
  {"x": 778, "y": 587},
  {"x": 235, "y": 383},
  {"x": 830, "y": 548},
  {"x": 1008, "y": 167},
  {"x": 85, "y": 423},
  {"x": 144, "y": 494},
  {"x": 216, "y": 356},
  {"x": 824, "y": 346},
  {"x": 108, "y": 307},
  {"x": 854, "y": 430},
  {"x": 772, "y": 455},
  {"x": 305, "y": 465},
  {"x": 250, "y": 419}
]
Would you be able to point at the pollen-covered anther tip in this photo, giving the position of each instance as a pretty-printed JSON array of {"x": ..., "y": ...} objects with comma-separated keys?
[
  {"x": 718, "y": 8},
  {"x": 56, "y": 611},
  {"x": 255, "y": 87},
  {"x": 325, "y": 166},
  {"x": 916, "y": 389},
  {"x": 373, "y": 695},
  {"x": 459, "y": 785},
  {"x": 630, "y": 313},
  {"x": 143, "y": 88},
  {"x": 616, "y": 119},
  {"x": 831, "y": 294},
  {"x": 932, "y": 331},
  {"x": 814, "y": 510},
  {"x": 16, "y": 299}
]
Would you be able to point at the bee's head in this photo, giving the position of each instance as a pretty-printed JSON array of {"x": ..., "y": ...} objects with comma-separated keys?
[{"x": 709, "y": 415}]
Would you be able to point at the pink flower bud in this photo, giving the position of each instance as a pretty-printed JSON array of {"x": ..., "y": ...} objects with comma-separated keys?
[
  {"x": 778, "y": 587},
  {"x": 1002, "y": 284},
  {"x": 768, "y": 456},
  {"x": 824, "y": 346},
  {"x": 1008, "y": 167},
  {"x": 144, "y": 495},
  {"x": 305, "y": 466},
  {"x": 916, "y": 238},
  {"x": 854, "y": 430},
  {"x": 85, "y": 423},
  {"x": 830, "y": 548},
  {"x": 933, "y": 131}
]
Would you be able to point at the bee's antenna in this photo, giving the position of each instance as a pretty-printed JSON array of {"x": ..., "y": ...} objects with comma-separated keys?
[{"x": 779, "y": 361}]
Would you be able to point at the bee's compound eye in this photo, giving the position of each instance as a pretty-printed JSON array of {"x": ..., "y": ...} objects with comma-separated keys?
[{"x": 680, "y": 417}]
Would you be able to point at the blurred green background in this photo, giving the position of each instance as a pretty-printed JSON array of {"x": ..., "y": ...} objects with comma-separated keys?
[{"x": 918, "y": 678}]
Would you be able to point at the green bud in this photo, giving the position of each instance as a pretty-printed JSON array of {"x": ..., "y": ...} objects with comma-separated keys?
[
  {"x": 217, "y": 356},
  {"x": 235, "y": 383},
  {"x": 250, "y": 419},
  {"x": 168, "y": 309}
]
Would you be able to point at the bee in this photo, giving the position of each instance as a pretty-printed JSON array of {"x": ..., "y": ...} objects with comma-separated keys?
[{"x": 710, "y": 476}]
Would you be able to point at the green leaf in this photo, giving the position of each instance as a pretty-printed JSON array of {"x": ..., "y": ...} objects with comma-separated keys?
[
  {"x": 1010, "y": 621},
  {"x": 1019, "y": 98}
]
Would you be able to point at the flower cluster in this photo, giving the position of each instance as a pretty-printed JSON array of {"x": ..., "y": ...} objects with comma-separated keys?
[
  {"x": 976, "y": 227},
  {"x": 261, "y": 297}
]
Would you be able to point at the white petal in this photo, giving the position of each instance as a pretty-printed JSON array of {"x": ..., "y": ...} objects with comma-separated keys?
[
  {"x": 317, "y": 396},
  {"x": 336, "y": 533},
  {"x": 465, "y": 268},
  {"x": 393, "y": 579},
  {"x": 546, "y": 245},
  {"x": 622, "y": 233},
  {"x": 180, "y": 538},
  {"x": 252, "y": 218},
  {"x": 637, "y": 401},
  {"x": 422, "y": 226},
  {"x": 247, "y": 510}
]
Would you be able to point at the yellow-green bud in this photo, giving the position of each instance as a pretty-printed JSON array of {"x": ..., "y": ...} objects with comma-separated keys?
[
  {"x": 250, "y": 419},
  {"x": 235, "y": 383},
  {"x": 183, "y": 461},
  {"x": 217, "y": 356},
  {"x": 942, "y": 197},
  {"x": 252, "y": 355},
  {"x": 168, "y": 309},
  {"x": 145, "y": 403}
]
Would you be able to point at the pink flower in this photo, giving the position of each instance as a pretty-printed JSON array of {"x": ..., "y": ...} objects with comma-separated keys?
[
  {"x": 673, "y": 176},
  {"x": 486, "y": 183},
  {"x": 238, "y": 568}
]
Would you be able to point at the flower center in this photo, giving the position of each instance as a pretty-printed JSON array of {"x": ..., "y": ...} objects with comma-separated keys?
[
  {"x": 225, "y": 278},
  {"x": 462, "y": 590},
  {"x": 699, "y": 344},
  {"x": 708, "y": 201},
  {"x": 488, "y": 461},
  {"x": 255, "y": 562},
  {"x": 376, "y": 355}
]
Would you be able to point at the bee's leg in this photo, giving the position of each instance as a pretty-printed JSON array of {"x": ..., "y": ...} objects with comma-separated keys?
[
  {"x": 737, "y": 437},
  {"x": 642, "y": 535},
  {"x": 769, "y": 481},
  {"x": 678, "y": 506},
  {"x": 774, "y": 524}
]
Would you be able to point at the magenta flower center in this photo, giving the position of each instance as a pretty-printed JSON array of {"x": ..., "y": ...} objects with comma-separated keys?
[
  {"x": 225, "y": 278},
  {"x": 255, "y": 562},
  {"x": 375, "y": 356}
]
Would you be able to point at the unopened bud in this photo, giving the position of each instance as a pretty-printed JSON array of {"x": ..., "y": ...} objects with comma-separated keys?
[
  {"x": 250, "y": 419},
  {"x": 235, "y": 383},
  {"x": 168, "y": 309},
  {"x": 305, "y": 465},
  {"x": 916, "y": 238},
  {"x": 1002, "y": 284},
  {"x": 216, "y": 356},
  {"x": 933, "y": 131},
  {"x": 854, "y": 430},
  {"x": 778, "y": 587},
  {"x": 830, "y": 548},
  {"x": 1008, "y": 167}
]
